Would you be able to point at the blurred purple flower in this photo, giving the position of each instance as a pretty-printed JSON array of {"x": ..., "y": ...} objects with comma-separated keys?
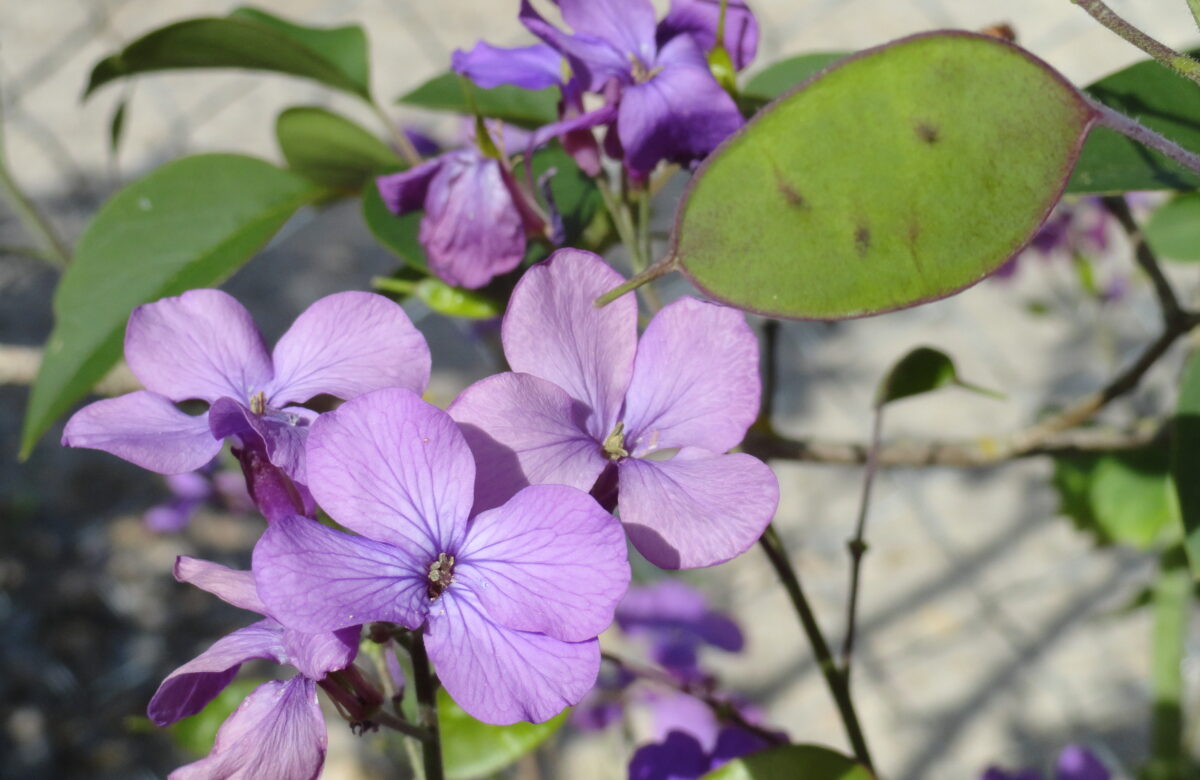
[
  {"x": 586, "y": 405},
  {"x": 278, "y": 731},
  {"x": 1075, "y": 762},
  {"x": 604, "y": 704},
  {"x": 659, "y": 92},
  {"x": 680, "y": 756},
  {"x": 511, "y": 602},
  {"x": 1079, "y": 228},
  {"x": 677, "y": 621},
  {"x": 203, "y": 345},
  {"x": 476, "y": 217},
  {"x": 192, "y": 490}
]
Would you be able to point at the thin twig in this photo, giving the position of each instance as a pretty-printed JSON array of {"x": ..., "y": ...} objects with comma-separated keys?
[
  {"x": 399, "y": 138},
  {"x": 770, "y": 379},
  {"x": 54, "y": 248},
  {"x": 426, "y": 689},
  {"x": 838, "y": 687},
  {"x": 1171, "y": 310},
  {"x": 1180, "y": 63},
  {"x": 724, "y": 710},
  {"x": 1128, "y": 126},
  {"x": 858, "y": 544}
]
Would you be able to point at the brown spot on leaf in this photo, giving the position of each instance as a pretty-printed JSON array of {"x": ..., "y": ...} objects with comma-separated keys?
[
  {"x": 862, "y": 240},
  {"x": 792, "y": 195},
  {"x": 928, "y": 132}
]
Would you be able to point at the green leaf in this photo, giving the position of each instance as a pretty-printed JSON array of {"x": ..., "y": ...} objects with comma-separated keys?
[
  {"x": 792, "y": 762},
  {"x": 1120, "y": 498},
  {"x": 398, "y": 234},
  {"x": 196, "y": 734},
  {"x": 1162, "y": 101},
  {"x": 890, "y": 180},
  {"x": 250, "y": 39},
  {"x": 116, "y": 126},
  {"x": 190, "y": 223},
  {"x": 1173, "y": 230},
  {"x": 472, "y": 749},
  {"x": 1185, "y": 460},
  {"x": 449, "y": 92},
  {"x": 922, "y": 370},
  {"x": 779, "y": 77},
  {"x": 331, "y": 150}
]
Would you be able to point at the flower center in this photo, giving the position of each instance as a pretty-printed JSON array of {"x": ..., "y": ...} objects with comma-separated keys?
[
  {"x": 614, "y": 445},
  {"x": 441, "y": 574},
  {"x": 641, "y": 74},
  {"x": 258, "y": 403}
]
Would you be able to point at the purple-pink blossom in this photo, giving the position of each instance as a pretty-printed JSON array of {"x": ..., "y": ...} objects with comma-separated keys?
[
  {"x": 510, "y": 600},
  {"x": 677, "y": 622},
  {"x": 278, "y": 731},
  {"x": 204, "y": 346},
  {"x": 589, "y": 406}
]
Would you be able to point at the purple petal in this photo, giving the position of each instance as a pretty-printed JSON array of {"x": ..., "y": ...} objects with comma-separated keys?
[
  {"x": 345, "y": 345},
  {"x": 529, "y": 67},
  {"x": 678, "y": 757},
  {"x": 282, "y": 432},
  {"x": 695, "y": 380},
  {"x": 172, "y": 517},
  {"x": 405, "y": 191},
  {"x": 524, "y": 430},
  {"x": 316, "y": 655},
  {"x": 553, "y": 331},
  {"x": 202, "y": 345},
  {"x": 675, "y": 712},
  {"x": 273, "y": 492},
  {"x": 1078, "y": 763},
  {"x": 627, "y": 24},
  {"x": 680, "y": 115},
  {"x": 190, "y": 486},
  {"x": 545, "y": 133},
  {"x": 550, "y": 560},
  {"x": 196, "y": 683},
  {"x": 393, "y": 468},
  {"x": 698, "y": 18},
  {"x": 696, "y": 509},
  {"x": 314, "y": 579},
  {"x": 229, "y": 585},
  {"x": 472, "y": 229},
  {"x": 670, "y": 608},
  {"x": 593, "y": 60},
  {"x": 145, "y": 429},
  {"x": 278, "y": 733},
  {"x": 735, "y": 742},
  {"x": 501, "y": 676}
]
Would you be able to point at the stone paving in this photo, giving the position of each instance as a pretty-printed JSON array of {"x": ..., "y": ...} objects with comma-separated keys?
[{"x": 991, "y": 629}]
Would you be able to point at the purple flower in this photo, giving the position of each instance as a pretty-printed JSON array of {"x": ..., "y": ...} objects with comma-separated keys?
[
  {"x": 278, "y": 731},
  {"x": 588, "y": 404},
  {"x": 698, "y": 18},
  {"x": 677, "y": 621},
  {"x": 511, "y": 601},
  {"x": 680, "y": 756},
  {"x": 1075, "y": 762},
  {"x": 204, "y": 346},
  {"x": 476, "y": 218},
  {"x": 191, "y": 490},
  {"x": 659, "y": 90}
]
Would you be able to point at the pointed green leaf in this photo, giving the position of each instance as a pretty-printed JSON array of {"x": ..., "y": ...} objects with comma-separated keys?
[
  {"x": 250, "y": 39},
  {"x": 1120, "y": 498},
  {"x": 397, "y": 234},
  {"x": 331, "y": 150},
  {"x": 792, "y": 762},
  {"x": 451, "y": 92},
  {"x": 1173, "y": 230},
  {"x": 1162, "y": 101},
  {"x": 190, "y": 223},
  {"x": 922, "y": 370},
  {"x": 472, "y": 749},
  {"x": 890, "y": 180},
  {"x": 1185, "y": 460}
]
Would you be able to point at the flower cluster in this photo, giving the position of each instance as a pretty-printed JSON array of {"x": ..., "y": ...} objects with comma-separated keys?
[{"x": 474, "y": 531}]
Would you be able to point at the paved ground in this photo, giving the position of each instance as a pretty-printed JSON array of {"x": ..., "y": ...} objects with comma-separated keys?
[{"x": 991, "y": 629}]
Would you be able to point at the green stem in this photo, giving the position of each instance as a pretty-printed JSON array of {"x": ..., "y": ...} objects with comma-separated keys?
[
  {"x": 56, "y": 252},
  {"x": 624, "y": 225},
  {"x": 431, "y": 748},
  {"x": 649, "y": 275},
  {"x": 1180, "y": 63},
  {"x": 858, "y": 544},
  {"x": 403, "y": 145},
  {"x": 1172, "y": 602},
  {"x": 834, "y": 678},
  {"x": 1128, "y": 126},
  {"x": 653, "y": 302}
]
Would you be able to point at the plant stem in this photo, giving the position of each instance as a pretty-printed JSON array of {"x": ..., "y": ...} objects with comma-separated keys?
[
  {"x": 399, "y": 139},
  {"x": 1172, "y": 601},
  {"x": 662, "y": 268},
  {"x": 1128, "y": 126},
  {"x": 858, "y": 544},
  {"x": 645, "y": 247},
  {"x": 834, "y": 678},
  {"x": 55, "y": 250},
  {"x": 1180, "y": 63},
  {"x": 1167, "y": 300},
  {"x": 431, "y": 748}
]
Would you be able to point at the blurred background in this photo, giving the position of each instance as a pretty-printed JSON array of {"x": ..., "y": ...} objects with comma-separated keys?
[{"x": 991, "y": 629}]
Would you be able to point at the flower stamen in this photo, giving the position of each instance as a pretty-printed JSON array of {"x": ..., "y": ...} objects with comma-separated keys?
[
  {"x": 441, "y": 574},
  {"x": 614, "y": 444}
]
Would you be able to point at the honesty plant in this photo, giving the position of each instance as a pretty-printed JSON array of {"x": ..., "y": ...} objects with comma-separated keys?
[{"x": 588, "y": 405}]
